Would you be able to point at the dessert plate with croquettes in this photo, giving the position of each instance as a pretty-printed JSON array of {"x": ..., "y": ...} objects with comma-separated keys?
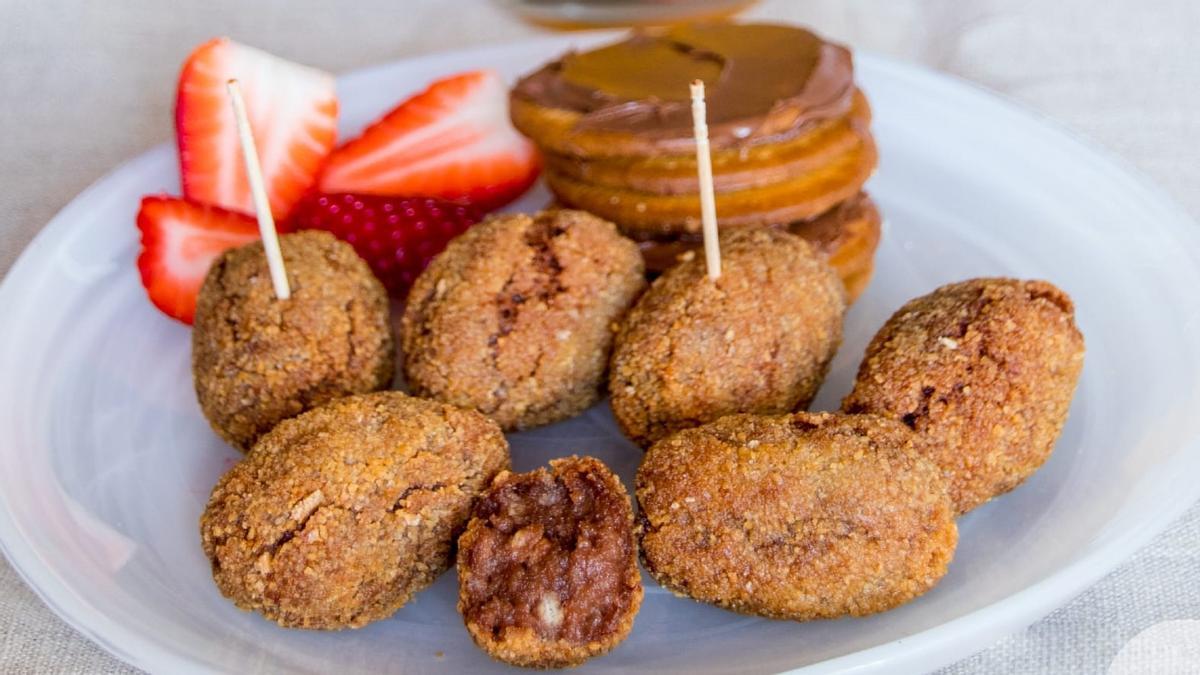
[{"x": 107, "y": 461}]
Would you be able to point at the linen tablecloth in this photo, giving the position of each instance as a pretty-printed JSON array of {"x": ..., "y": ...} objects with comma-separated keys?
[{"x": 86, "y": 85}]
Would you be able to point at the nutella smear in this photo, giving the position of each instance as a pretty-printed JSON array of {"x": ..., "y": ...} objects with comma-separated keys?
[{"x": 763, "y": 83}]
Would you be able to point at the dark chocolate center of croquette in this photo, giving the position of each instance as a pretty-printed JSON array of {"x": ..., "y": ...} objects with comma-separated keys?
[{"x": 553, "y": 556}]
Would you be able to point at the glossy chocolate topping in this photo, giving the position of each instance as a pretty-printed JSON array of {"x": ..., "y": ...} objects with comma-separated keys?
[{"x": 763, "y": 82}]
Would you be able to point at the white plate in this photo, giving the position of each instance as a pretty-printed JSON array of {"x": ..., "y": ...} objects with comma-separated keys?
[{"x": 106, "y": 462}]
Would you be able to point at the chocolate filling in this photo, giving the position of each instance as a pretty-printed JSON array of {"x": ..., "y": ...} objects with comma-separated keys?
[{"x": 554, "y": 556}]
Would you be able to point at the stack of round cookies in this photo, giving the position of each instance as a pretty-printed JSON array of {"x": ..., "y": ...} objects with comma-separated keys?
[{"x": 791, "y": 144}]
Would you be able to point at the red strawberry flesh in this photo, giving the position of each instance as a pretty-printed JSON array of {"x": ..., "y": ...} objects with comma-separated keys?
[
  {"x": 293, "y": 116},
  {"x": 452, "y": 141},
  {"x": 396, "y": 236},
  {"x": 180, "y": 241}
]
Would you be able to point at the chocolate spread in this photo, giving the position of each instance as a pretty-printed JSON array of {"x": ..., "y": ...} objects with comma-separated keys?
[
  {"x": 763, "y": 82},
  {"x": 554, "y": 554}
]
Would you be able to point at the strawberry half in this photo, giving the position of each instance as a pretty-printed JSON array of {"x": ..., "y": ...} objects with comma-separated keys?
[
  {"x": 180, "y": 241},
  {"x": 451, "y": 141},
  {"x": 397, "y": 236},
  {"x": 293, "y": 115}
]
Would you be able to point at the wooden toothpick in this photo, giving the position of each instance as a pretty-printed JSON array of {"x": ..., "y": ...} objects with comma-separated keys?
[
  {"x": 262, "y": 205},
  {"x": 708, "y": 200}
]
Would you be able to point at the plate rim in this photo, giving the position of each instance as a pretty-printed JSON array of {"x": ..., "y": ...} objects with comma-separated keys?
[{"x": 998, "y": 618}]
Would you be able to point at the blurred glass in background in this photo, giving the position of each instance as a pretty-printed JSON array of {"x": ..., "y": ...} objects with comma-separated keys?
[{"x": 570, "y": 14}]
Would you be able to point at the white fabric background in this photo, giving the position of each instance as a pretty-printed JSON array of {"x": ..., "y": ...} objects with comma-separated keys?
[{"x": 86, "y": 85}]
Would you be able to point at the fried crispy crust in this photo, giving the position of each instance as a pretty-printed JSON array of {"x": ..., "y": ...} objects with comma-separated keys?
[
  {"x": 514, "y": 317},
  {"x": 984, "y": 369},
  {"x": 336, "y": 517},
  {"x": 759, "y": 339},
  {"x": 547, "y": 567},
  {"x": 257, "y": 360},
  {"x": 802, "y": 516}
]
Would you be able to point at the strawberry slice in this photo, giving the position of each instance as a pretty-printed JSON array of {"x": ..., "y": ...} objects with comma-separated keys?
[
  {"x": 397, "y": 236},
  {"x": 293, "y": 115},
  {"x": 180, "y": 241},
  {"x": 452, "y": 141}
]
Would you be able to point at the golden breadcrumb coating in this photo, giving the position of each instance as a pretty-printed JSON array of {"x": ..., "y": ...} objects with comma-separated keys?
[
  {"x": 514, "y": 317},
  {"x": 759, "y": 339},
  {"x": 802, "y": 516},
  {"x": 984, "y": 369},
  {"x": 338, "y": 516},
  {"x": 257, "y": 360}
]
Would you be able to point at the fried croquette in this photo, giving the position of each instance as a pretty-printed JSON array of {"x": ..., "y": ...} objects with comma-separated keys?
[
  {"x": 802, "y": 516},
  {"x": 336, "y": 517},
  {"x": 547, "y": 567},
  {"x": 257, "y": 360},
  {"x": 985, "y": 369},
  {"x": 514, "y": 317},
  {"x": 758, "y": 339}
]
